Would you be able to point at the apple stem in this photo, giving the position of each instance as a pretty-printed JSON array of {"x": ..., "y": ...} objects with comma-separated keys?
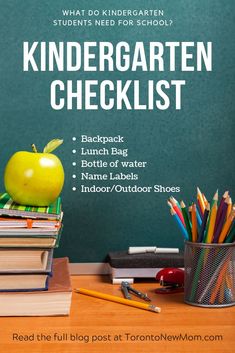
[{"x": 34, "y": 148}]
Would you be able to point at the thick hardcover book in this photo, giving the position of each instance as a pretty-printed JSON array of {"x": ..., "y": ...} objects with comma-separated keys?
[{"x": 54, "y": 301}]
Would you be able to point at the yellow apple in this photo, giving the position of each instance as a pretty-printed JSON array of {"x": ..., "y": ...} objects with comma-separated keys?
[{"x": 33, "y": 178}]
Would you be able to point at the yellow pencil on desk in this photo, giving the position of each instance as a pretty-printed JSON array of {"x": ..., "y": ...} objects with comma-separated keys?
[{"x": 119, "y": 300}]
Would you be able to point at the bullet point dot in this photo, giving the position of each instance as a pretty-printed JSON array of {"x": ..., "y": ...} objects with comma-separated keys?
[
  {"x": 74, "y": 176},
  {"x": 74, "y": 163},
  {"x": 74, "y": 138},
  {"x": 74, "y": 151},
  {"x": 74, "y": 189}
]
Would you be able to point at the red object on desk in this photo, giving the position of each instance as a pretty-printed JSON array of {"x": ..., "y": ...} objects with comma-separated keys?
[{"x": 171, "y": 279}]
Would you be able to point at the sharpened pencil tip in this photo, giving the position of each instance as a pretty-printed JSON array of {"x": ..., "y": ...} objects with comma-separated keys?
[
  {"x": 226, "y": 194},
  {"x": 182, "y": 204},
  {"x": 198, "y": 190},
  {"x": 173, "y": 200},
  {"x": 227, "y": 200},
  {"x": 216, "y": 196},
  {"x": 169, "y": 203}
]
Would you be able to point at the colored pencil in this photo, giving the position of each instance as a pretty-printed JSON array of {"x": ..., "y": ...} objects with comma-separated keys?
[
  {"x": 197, "y": 272},
  {"x": 199, "y": 218},
  {"x": 220, "y": 207},
  {"x": 230, "y": 238},
  {"x": 180, "y": 225},
  {"x": 169, "y": 204},
  {"x": 186, "y": 219},
  {"x": 205, "y": 230},
  {"x": 211, "y": 225},
  {"x": 215, "y": 198},
  {"x": 219, "y": 280},
  {"x": 174, "y": 200},
  {"x": 222, "y": 219},
  {"x": 229, "y": 277},
  {"x": 214, "y": 201},
  {"x": 222, "y": 291},
  {"x": 204, "y": 223},
  {"x": 204, "y": 199},
  {"x": 213, "y": 278},
  {"x": 194, "y": 223},
  {"x": 190, "y": 213},
  {"x": 201, "y": 202},
  {"x": 229, "y": 208},
  {"x": 226, "y": 227},
  {"x": 119, "y": 300},
  {"x": 177, "y": 209}
]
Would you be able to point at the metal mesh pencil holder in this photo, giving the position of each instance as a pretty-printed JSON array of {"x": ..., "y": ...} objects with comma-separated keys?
[{"x": 209, "y": 274}]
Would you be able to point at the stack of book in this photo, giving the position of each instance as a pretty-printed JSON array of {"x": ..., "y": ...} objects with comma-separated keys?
[{"x": 31, "y": 281}]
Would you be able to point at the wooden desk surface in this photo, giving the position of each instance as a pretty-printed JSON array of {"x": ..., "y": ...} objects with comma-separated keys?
[{"x": 95, "y": 325}]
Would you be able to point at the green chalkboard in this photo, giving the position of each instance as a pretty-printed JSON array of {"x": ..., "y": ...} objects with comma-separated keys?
[{"x": 185, "y": 148}]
